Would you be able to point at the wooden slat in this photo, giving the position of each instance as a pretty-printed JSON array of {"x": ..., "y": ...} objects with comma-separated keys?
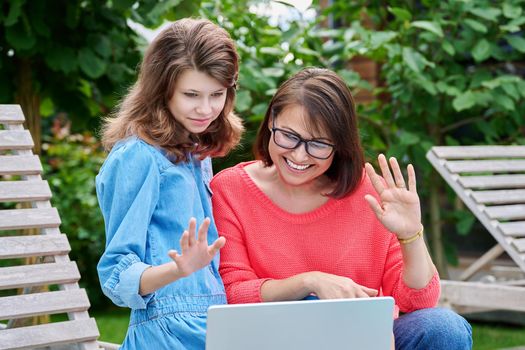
[
  {"x": 516, "y": 228},
  {"x": 479, "y": 166},
  {"x": 486, "y": 295},
  {"x": 20, "y": 165},
  {"x": 17, "y": 219},
  {"x": 21, "y": 191},
  {"x": 462, "y": 152},
  {"x": 15, "y": 140},
  {"x": 49, "y": 334},
  {"x": 506, "y": 212},
  {"x": 493, "y": 181},
  {"x": 38, "y": 274},
  {"x": 27, "y": 305},
  {"x": 11, "y": 114},
  {"x": 37, "y": 245},
  {"x": 519, "y": 244},
  {"x": 499, "y": 196}
]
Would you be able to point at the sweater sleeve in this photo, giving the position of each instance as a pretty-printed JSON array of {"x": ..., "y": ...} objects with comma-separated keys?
[
  {"x": 127, "y": 190},
  {"x": 240, "y": 280},
  {"x": 408, "y": 299}
]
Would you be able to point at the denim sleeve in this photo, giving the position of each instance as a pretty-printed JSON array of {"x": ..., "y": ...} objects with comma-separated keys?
[{"x": 127, "y": 190}]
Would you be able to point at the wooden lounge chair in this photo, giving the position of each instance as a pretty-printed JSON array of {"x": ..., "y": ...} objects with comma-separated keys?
[
  {"x": 490, "y": 180},
  {"x": 21, "y": 182}
]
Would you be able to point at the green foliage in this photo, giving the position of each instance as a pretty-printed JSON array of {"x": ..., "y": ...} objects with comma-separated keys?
[
  {"x": 71, "y": 162},
  {"x": 452, "y": 74},
  {"x": 269, "y": 55},
  {"x": 81, "y": 55}
]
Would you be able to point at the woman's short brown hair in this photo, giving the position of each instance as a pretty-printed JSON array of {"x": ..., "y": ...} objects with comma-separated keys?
[
  {"x": 187, "y": 44},
  {"x": 330, "y": 107}
]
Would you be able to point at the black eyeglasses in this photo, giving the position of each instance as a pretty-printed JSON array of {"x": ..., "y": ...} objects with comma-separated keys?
[{"x": 290, "y": 140}]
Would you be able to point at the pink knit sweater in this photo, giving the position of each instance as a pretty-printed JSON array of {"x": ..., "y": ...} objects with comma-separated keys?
[{"x": 342, "y": 237}]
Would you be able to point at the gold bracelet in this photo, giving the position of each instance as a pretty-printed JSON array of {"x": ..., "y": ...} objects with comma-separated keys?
[{"x": 411, "y": 239}]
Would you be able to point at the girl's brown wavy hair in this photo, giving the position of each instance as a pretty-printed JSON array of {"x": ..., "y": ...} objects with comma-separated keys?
[{"x": 187, "y": 44}]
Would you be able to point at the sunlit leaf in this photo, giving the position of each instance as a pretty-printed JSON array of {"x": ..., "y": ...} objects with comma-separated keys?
[
  {"x": 448, "y": 48},
  {"x": 432, "y": 27},
  {"x": 489, "y": 13},
  {"x": 481, "y": 51},
  {"x": 511, "y": 11},
  {"x": 400, "y": 13},
  {"x": 243, "y": 101},
  {"x": 464, "y": 101},
  {"x": 517, "y": 42},
  {"x": 477, "y": 26}
]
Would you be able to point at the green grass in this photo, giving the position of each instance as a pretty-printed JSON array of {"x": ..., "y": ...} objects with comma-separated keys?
[
  {"x": 487, "y": 336},
  {"x": 112, "y": 324}
]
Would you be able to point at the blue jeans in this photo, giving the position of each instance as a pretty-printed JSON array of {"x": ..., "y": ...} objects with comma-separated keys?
[{"x": 435, "y": 329}]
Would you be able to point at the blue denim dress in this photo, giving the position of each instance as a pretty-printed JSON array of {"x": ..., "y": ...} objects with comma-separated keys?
[{"x": 147, "y": 202}]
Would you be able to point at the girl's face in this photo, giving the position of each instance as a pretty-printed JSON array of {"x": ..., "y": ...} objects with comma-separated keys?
[
  {"x": 197, "y": 101},
  {"x": 295, "y": 166}
]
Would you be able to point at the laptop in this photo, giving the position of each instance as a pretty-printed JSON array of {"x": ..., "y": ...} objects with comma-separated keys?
[{"x": 361, "y": 324}]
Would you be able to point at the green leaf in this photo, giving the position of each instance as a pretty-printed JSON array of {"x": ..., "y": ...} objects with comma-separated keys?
[
  {"x": 432, "y": 27},
  {"x": 307, "y": 52},
  {"x": 85, "y": 88},
  {"x": 477, "y": 26},
  {"x": 491, "y": 84},
  {"x": 123, "y": 4},
  {"x": 47, "y": 107},
  {"x": 243, "y": 101},
  {"x": 408, "y": 138},
  {"x": 505, "y": 102},
  {"x": 516, "y": 42},
  {"x": 61, "y": 59},
  {"x": 260, "y": 108},
  {"x": 400, "y": 13},
  {"x": 378, "y": 39},
  {"x": 481, "y": 51},
  {"x": 514, "y": 25},
  {"x": 521, "y": 87},
  {"x": 511, "y": 11},
  {"x": 465, "y": 223},
  {"x": 350, "y": 77},
  {"x": 411, "y": 60},
  {"x": 102, "y": 46},
  {"x": 414, "y": 60},
  {"x": 326, "y": 33},
  {"x": 116, "y": 72},
  {"x": 274, "y": 72},
  {"x": 332, "y": 46},
  {"x": 272, "y": 32},
  {"x": 91, "y": 64},
  {"x": 511, "y": 90},
  {"x": 490, "y": 13},
  {"x": 14, "y": 12},
  {"x": 448, "y": 48},
  {"x": 18, "y": 36},
  {"x": 483, "y": 98},
  {"x": 464, "y": 101},
  {"x": 274, "y": 51}
]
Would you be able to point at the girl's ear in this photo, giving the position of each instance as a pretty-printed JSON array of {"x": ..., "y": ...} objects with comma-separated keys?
[{"x": 270, "y": 123}]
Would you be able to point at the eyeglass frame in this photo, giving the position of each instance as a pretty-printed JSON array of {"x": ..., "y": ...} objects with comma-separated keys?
[{"x": 301, "y": 141}]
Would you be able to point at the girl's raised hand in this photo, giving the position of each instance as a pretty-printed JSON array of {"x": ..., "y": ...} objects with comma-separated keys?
[
  {"x": 196, "y": 253},
  {"x": 399, "y": 209}
]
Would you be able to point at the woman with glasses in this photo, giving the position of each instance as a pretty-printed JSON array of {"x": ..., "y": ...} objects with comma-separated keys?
[{"x": 310, "y": 219}]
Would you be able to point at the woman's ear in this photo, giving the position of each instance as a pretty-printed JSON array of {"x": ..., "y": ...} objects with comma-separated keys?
[{"x": 270, "y": 123}]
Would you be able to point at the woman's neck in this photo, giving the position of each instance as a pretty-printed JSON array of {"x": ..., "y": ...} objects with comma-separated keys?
[{"x": 294, "y": 199}]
